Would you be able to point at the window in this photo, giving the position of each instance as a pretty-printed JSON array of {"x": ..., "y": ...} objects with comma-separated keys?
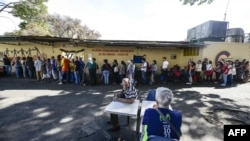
[{"x": 191, "y": 52}]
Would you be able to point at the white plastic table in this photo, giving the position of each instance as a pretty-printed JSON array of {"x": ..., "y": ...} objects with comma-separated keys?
[{"x": 121, "y": 108}]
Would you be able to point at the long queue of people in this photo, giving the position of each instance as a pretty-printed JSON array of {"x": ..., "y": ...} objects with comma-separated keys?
[
  {"x": 80, "y": 73},
  {"x": 225, "y": 72}
]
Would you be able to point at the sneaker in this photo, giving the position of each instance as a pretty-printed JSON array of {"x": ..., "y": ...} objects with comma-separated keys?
[
  {"x": 188, "y": 83},
  {"x": 60, "y": 83},
  {"x": 223, "y": 85}
]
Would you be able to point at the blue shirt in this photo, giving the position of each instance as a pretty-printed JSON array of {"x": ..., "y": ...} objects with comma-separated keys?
[{"x": 154, "y": 125}]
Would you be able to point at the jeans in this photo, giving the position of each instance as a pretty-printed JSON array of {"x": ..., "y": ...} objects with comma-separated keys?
[
  {"x": 60, "y": 76},
  {"x": 54, "y": 75},
  {"x": 153, "y": 76},
  {"x": 224, "y": 79},
  {"x": 17, "y": 71},
  {"x": 24, "y": 71},
  {"x": 190, "y": 77},
  {"x": 77, "y": 77},
  {"x": 8, "y": 69},
  {"x": 144, "y": 77},
  {"x": 229, "y": 79},
  {"x": 106, "y": 76},
  {"x": 30, "y": 72},
  {"x": 151, "y": 95}
]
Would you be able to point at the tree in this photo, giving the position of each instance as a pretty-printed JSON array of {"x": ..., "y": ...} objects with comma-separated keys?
[
  {"x": 65, "y": 26},
  {"x": 25, "y": 9},
  {"x": 31, "y": 12},
  {"x": 199, "y": 2}
]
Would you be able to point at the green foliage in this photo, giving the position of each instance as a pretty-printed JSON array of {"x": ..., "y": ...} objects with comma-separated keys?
[
  {"x": 28, "y": 9},
  {"x": 199, "y": 2}
]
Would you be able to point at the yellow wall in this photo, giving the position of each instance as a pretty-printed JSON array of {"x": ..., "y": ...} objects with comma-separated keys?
[
  {"x": 236, "y": 50},
  {"x": 127, "y": 53}
]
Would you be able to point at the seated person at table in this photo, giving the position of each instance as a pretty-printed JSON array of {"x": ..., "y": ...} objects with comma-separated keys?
[
  {"x": 156, "y": 127},
  {"x": 127, "y": 95}
]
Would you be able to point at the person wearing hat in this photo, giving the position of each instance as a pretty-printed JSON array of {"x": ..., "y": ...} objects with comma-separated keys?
[{"x": 161, "y": 122}]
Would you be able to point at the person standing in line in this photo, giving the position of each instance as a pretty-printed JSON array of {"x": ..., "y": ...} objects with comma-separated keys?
[
  {"x": 115, "y": 68},
  {"x": 122, "y": 70},
  {"x": 53, "y": 68},
  {"x": 7, "y": 65},
  {"x": 59, "y": 69},
  {"x": 203, "y": 68},
  {"x": 95, "y": 70},
  {"x": 38, "y": 68},
  {"x": 72, "y": 70},
  {"x": 198, "y": 67},
  {"x": 230, "y": 74},
  {"x": 209, "y": 72},
  {"x": 106, "y": 68},
  {"x": 92, "y": 66},
  {"x": 153, "y": 71},
  {"x": 164, "y": 69},
  {"x": 131, "y": 70},
  {"x": 30, "y": 67},
  {"x": 190, "y": 73},
  {"x": 65, "y": 68},
  {"x": 81, "y": 71},
  {"x": 23, "y": 64},
  {"x": 224, "y": 71},
  {"x": 144, "y": 71},
  {"x": 218, "y": 72},
  {"x": 77, "y": 70}
]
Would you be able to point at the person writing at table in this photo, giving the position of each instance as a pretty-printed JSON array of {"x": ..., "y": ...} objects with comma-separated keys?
[
  {"x": 127, "y": 95},
  {"x": 160, "y": 123}
]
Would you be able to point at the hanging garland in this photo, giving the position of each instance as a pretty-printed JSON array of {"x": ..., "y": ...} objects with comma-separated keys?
[{"x": 72, "y": 51}]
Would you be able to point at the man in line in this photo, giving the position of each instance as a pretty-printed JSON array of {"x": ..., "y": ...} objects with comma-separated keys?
[{"x": 164, "y": 69}]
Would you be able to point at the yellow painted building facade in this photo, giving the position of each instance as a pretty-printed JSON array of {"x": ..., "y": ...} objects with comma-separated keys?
[{"x": 175, "y": 55}]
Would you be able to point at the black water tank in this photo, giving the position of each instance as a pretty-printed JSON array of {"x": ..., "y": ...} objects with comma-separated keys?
[
  {"x": 209, "y": 31},
  {"x": 235, "y": 35}
]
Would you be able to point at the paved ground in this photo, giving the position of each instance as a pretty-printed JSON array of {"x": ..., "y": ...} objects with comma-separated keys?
[{"x": 45, "y": 111}]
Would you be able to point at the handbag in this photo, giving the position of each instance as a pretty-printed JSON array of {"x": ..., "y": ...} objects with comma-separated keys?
[{"x": 116, "y": 69}]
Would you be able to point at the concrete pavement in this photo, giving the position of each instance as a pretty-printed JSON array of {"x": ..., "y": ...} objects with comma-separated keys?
[{"x": 39, "y": 111}]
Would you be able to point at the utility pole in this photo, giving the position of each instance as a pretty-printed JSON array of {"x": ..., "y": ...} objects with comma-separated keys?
[{"x": 225, "y": 14}]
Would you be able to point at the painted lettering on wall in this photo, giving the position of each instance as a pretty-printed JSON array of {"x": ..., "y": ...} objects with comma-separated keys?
[{"x": 113, "y": 52}]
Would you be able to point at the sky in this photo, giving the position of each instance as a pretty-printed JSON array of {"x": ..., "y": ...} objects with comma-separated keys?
[{"x": 154, "y": 20}]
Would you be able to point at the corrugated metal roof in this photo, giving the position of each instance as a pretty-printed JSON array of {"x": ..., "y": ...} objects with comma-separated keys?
[{"x": 86, "y": 42}]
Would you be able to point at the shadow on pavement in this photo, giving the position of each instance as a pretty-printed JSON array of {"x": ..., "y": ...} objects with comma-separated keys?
[{"x": 60, "y": 113}]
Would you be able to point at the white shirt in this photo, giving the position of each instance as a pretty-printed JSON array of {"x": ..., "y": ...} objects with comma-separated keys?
[
  {"x": 198, "y": 67},
  {"x": 165, "y": 64},
  {"x": 144, "y": 67},
  {"x": 209, "y": 67},
  {"x": 38, "y": 65},
  {"x": 230, "y": 71}
]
